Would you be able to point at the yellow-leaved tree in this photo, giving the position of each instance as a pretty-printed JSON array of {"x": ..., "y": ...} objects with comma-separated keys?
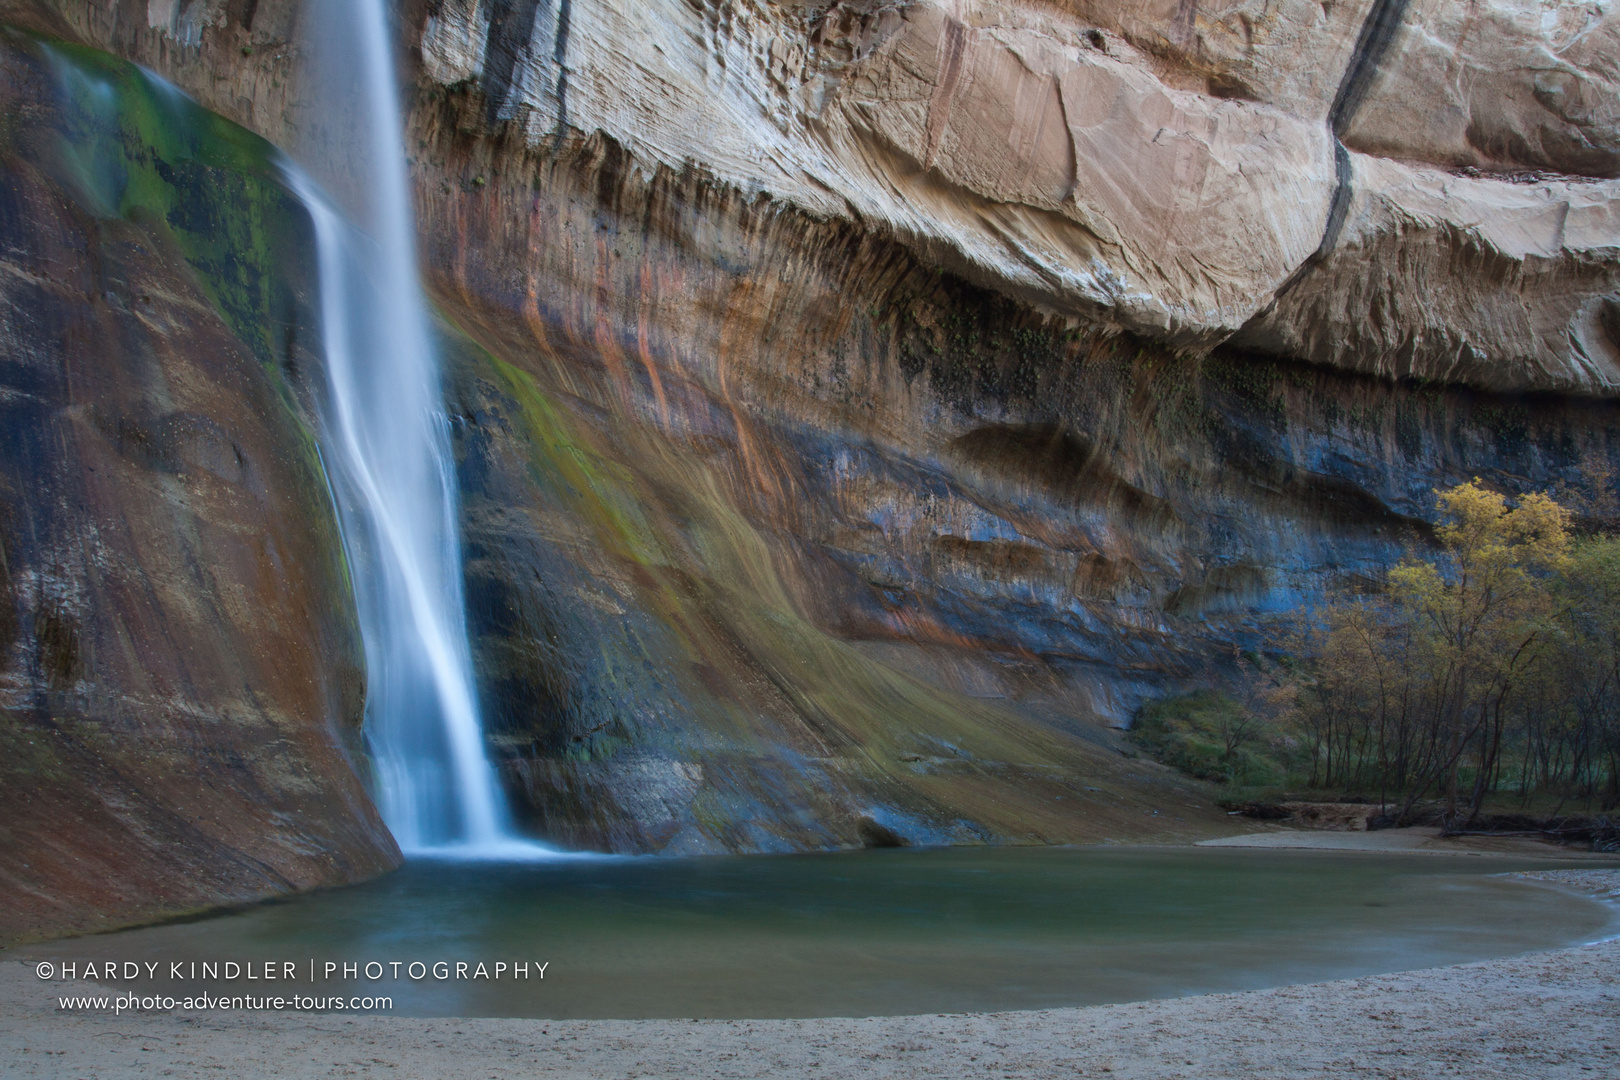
[
  {"x": 1481, "y": 615},
  {"x": 1451, "y": 664}
]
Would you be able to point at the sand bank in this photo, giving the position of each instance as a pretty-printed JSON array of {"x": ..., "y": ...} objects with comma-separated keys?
[
  {"x": 1419, "y": 840},
  {"x": 1540, "y": 1017}
]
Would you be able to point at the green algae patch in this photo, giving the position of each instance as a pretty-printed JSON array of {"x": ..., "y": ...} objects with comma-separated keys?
[
  {"x": 601, "y": 490},
  {"x": 28, "y": 756},
  {"x": 131, "y": 146}
]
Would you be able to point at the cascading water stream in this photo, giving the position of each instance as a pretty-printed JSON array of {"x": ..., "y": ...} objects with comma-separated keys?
[{"x": 387, "y": 447}]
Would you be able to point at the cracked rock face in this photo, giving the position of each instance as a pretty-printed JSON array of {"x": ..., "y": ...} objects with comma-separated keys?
[
  {"x": 1464, "y": 279},
  {"x": 1019, "y": 146},
  {"x": 1528, "y": 84}
]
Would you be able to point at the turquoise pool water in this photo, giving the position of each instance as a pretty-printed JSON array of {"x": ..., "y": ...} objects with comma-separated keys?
[{"x": 869, "y": 933}]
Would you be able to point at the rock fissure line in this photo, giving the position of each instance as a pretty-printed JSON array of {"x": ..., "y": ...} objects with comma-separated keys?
[
  {"x": 1377, "y": 35},
  {"x": 559, "y": 56},
  {"x": 511, "y": 28},
  {"x": 514, "y": 26},
  {"x": 1383, "y": 22}
]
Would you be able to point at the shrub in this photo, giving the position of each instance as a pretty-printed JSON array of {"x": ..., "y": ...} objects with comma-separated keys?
[{"x": 1213, "y": 737}]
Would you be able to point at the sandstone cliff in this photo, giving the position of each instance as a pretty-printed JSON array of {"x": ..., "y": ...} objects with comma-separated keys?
[
  {"x": 1184, "y": 171},
  {"x": 1406, "y": 188},
  {"x": 180, "y": 680},
  {"x": 860, "y": 407}
]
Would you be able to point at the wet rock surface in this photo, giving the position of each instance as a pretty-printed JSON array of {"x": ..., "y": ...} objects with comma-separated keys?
[{"x": 180, "y": 675}]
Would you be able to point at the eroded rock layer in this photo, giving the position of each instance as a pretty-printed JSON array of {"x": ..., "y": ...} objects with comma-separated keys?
[
  {"x": 1132, "y": 164},
  {"x": 1283, "y": 170},
  {"x": 180, "y": 675},
  {"x": 701, "y": 483}
]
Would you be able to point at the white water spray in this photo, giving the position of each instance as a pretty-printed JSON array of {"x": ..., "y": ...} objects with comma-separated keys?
[{"x": 388, "y": 449}]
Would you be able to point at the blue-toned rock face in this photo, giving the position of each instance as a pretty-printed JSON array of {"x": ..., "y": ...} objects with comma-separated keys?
[
  {"x": 861, "y": 411},
  {"x": 747, "y": 560}
]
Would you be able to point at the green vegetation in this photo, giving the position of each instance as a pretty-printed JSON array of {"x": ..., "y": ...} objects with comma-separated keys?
[{"x": 1212, "y": 736}]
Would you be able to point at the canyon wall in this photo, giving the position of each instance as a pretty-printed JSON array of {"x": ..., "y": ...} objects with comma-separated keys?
[
  {"x": 863, "y": 408},
  {"x": 1410, "y": 188},
  {"x": 697, "y": 488},
  {"x": 1280, "y": 171},
  {"x": 181, "y": 680}
]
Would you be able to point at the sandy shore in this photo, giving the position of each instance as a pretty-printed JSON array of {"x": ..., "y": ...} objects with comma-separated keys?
[
  {"x": 1540, "y": 1017},
  {"x": 1420, "y": 840}
]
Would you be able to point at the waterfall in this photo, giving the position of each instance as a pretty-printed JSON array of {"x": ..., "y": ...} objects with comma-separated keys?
[{"x": 387, "y": 447}]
